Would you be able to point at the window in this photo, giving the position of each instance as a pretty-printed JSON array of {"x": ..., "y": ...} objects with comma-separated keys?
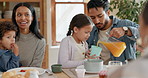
[
  {"x": 62, "y": 13},
  {"x": 69, "y": 0}
]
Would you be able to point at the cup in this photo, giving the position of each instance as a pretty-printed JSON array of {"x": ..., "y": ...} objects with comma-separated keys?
[
  {"x": 113, "y": 65},
  {"x": 95, "y": 50},
  {"x": 80, "y": 73},
  {"x": 56, "y": 68},
  {"x": 93, "y": 65},
  {"x": 103, "y": 74}
]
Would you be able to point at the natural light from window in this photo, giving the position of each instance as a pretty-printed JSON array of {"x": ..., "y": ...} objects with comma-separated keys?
[
  {"x": 69, "y": 0},
  {"x": 64, "y": 14}
]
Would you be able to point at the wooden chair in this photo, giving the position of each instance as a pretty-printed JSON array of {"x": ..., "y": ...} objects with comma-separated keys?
[{"x": 45, "y": 60}]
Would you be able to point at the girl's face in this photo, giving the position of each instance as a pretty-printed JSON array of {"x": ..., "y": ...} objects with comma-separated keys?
[
  {"x": 23, "y": 17},
  {"x": 83, "y": 33},
  {"x": 7, "y": 40}
]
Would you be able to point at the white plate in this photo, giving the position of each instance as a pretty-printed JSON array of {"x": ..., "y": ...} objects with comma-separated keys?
[{"x": 41, "y": 70}]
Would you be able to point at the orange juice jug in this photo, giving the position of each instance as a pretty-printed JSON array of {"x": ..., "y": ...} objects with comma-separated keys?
[{"x": 116, "y": 48}]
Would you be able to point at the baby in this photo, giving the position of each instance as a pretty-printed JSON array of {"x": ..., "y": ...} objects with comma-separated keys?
[{"x": 8, "y": 49}]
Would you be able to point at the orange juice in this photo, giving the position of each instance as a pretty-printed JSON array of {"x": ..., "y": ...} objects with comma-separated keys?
[{"x": 116, "y": 48}]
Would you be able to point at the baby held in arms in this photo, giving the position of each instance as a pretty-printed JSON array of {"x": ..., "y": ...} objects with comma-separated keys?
[{"x": 73, "y": 48}]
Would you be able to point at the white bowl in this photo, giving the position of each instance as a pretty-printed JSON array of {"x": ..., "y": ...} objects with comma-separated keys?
[{"x": 93, "y": 65}]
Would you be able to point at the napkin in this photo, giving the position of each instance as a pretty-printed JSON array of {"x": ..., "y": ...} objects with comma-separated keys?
[{"x": 33, "y": 74}]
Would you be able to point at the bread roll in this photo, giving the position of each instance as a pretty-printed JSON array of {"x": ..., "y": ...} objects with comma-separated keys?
[
  {"x": 8, "y": 74},
  {"x": 18, "y": 76},
  {"x": 30, "y": 73}
]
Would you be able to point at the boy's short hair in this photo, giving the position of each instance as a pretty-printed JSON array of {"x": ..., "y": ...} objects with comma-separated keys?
[{"x": 5, "y": 27}]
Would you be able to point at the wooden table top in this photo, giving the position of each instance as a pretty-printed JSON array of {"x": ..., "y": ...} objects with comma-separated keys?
[
  {"x": 61, "y": 75},
  {"x": 64, "y": 75},
  {"x": 70, "y": 73},
  {"x": 55, "y": 75}
]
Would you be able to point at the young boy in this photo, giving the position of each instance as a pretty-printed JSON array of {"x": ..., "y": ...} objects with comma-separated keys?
[{"x": 8, "y": 49}]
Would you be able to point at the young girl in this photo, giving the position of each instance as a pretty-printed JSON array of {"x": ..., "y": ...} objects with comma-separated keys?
[
  {"x": 73, "y": 47},
  {"x": 8, "y": 49}
]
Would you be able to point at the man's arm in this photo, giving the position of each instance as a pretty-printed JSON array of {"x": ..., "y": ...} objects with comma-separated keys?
[{"x": 132, "y": 33}]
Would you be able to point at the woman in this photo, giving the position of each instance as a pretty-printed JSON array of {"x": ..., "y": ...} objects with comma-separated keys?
[
  {"x": 31, "y": 43},
  {"x": 138, "y": 68}
]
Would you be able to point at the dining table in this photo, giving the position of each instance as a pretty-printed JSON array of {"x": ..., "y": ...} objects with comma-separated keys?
[
  {"x": 54, "y": 75},
  {"x": 71, "y": 73},
  {"x": 47, "y": 75},
  {"x": 68, "y": 73}
]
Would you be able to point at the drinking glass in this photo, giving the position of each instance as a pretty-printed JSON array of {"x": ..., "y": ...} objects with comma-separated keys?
[
  {"x": 80, "y": 73},
  {"x": 95, "y": 50},
  {"x": 115, "y": 63}
]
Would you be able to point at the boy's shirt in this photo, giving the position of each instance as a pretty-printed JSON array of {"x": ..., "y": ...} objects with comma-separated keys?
[{"x": 8, "y": 60}]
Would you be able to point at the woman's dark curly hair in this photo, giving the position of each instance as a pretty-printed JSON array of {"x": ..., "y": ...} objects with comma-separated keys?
[{"x": 5, "y": 27}]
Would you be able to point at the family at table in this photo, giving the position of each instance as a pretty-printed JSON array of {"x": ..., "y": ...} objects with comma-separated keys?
[
  {"x": 84, "y": 31},
  {"x": 83, "y": 34}
]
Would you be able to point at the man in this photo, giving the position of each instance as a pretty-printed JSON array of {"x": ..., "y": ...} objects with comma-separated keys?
[
  {"x": 123, "y": 30},
  {"x": 137, "y": 68}
]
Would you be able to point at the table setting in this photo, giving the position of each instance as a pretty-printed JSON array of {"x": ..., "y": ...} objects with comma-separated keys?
[
  {"x": 100, "y": 72},
  {"x": 92, "y": 68},
  {"x": 57, "y": 72},
  {"x": 27, "y": 72}
]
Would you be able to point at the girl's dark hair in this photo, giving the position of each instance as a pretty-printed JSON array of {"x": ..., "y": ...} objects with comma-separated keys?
[
  {"x": 145, "y": 13},
  {"x": 98, "y": 3},
  {"x": 79, "y": 21},
  {"x": 34, "y": 25},
  {"x": 5, "y": 27}
]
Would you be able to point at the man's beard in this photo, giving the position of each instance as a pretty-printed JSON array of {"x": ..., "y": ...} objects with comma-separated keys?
[{"x": 104, "y": 25}]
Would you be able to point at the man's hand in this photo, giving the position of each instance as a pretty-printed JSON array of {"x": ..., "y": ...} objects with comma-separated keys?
[{"x": 119, "y": 32}]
